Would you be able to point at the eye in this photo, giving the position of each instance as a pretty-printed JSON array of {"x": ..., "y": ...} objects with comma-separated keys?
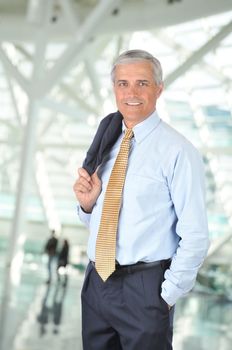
[
  {"x": 143, "y": 83},
  {"x": 122, "y": 83}
]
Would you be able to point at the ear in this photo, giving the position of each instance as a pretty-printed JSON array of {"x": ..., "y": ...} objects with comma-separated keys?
[{"x": 159, "y": 90}]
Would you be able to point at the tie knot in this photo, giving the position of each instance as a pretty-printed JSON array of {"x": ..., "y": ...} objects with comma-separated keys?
[{"x": 128, "y": 134}]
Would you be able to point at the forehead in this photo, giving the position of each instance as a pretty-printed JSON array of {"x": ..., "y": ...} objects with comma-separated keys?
[{"x": 134, "y": 70}]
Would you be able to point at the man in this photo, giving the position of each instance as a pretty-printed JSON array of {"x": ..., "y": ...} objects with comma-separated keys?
[
  {"x": 51, "y": 250},
  {"x": 161, "y": 234}
]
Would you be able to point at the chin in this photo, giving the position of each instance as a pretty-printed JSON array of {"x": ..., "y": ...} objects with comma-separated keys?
[
  {"x": 131, "y": 120},
  {"x": 132, "y": 114}
]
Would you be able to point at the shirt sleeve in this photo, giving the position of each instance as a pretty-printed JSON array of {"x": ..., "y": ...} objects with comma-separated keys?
[
  {"x": 188, "y": 196},
  {"x": 84, "y": 217}
]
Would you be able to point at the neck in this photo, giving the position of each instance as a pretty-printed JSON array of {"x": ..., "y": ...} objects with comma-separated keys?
[{"x": 131, "y": 123}]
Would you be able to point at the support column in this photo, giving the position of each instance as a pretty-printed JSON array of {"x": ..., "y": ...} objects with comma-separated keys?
[
  {"x": 17, "y": 226},
  {"x": 15, "y": 249}
]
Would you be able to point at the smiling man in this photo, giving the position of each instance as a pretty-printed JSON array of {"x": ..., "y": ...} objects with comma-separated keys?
[
  {"x": 141, "y": 194},
  {"x": 136, "y": 91}
]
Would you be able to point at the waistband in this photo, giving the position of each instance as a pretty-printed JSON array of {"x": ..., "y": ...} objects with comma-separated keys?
[{"x": 139, "y": 266}]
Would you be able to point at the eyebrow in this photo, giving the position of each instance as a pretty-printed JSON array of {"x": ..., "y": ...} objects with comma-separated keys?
[
  {"x": 138, "y": 80},
  {"x": 143, "y": 81}
]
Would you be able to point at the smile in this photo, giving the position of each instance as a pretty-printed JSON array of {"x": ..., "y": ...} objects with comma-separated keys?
[{"x": 133, "y": 103}]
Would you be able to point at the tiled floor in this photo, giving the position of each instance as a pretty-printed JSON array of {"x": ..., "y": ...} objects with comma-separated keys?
[
  {"x": 53, "y": 319},
  {"x": 45, "y": 316},
  {"x": 42, "y": 316},
  {"x": 203, "y": 322}
]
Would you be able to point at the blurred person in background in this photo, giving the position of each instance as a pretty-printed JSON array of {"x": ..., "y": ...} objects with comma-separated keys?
[
  {"x": 51, "y": 251},
  {"x": 62, "y": 262},
  {"x": 51, "y": 308}
]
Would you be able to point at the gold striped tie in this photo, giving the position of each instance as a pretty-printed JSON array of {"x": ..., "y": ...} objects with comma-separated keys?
[{"x": 106, "y": 239}]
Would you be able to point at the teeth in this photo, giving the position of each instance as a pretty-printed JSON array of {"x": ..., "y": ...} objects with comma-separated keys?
[{"x": 133, "y": 103}]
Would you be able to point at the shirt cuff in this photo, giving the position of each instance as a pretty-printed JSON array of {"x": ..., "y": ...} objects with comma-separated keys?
[
  {"x": 84, "y": 217},
  {"x": 171, "y": 293}
]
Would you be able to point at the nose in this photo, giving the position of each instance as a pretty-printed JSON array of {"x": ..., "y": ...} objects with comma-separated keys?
[{"x": 132, "y": 90}]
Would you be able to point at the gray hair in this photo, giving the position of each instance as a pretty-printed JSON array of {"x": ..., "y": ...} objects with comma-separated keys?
[{"x": 131, "y": 56}]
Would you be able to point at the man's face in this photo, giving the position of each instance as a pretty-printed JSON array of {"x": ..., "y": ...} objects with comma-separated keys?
[{"x": 135, "y": 90}]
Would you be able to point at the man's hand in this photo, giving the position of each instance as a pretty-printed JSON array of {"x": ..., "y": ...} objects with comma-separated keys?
[
  {"x": 87, "y": 189},
  {"x": 169, "y": 306}
]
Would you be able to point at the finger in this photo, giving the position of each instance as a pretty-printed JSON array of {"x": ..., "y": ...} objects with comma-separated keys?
[
  {"x": 85, "y": 183},
  {"x": 81, "y": 188},
  {"x": 81, "y": 182},
  {"x": 83, "y": 173}
]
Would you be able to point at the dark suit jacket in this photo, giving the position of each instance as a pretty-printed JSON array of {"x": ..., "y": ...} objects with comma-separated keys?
[{"x": 107, "y": 134}]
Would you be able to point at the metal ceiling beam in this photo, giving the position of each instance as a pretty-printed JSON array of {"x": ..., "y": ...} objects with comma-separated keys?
[
  {"x": 133, "y": 15},
  {"x": 72, "y": 17},
  {"x": 136, "y": 15},
  {"x": 69, "y": 57},
  {"x": 23, "y": 51},
  {"x": 13, "y": 71},
  {"x": 47, "y": 103},
  {"x": 9, "y": 160},
  {"x": 210, "y": 68},
  {"x": 95, "y": 84},
  {"x": 199, "y": 54},
  {"x": 14, "y": 101},
  {"x": 63, "y": 108},
  {"x": 80, "y": 101},
  {"x": 218, "y": 74}
]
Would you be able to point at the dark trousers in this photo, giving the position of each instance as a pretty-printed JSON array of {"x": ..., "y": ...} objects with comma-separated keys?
[{"x": 126, "y": 312}]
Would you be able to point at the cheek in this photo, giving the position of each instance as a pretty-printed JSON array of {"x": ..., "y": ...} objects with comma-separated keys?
[
  {"x": 119, "y": 100},
  {"x": 118, "y": 95},
  {"x": 153, "y": 97},
  {"x": 148, "y": 98}
]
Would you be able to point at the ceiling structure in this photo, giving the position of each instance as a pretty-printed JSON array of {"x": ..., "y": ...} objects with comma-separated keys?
[{"x": 55, "y": 59}]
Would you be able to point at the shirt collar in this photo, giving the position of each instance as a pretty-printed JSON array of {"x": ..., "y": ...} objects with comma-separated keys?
[{"x": 144, "y": 128}]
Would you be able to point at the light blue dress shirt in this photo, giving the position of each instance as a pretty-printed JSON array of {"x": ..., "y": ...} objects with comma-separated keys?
[{"x": 163, "y": 212}]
